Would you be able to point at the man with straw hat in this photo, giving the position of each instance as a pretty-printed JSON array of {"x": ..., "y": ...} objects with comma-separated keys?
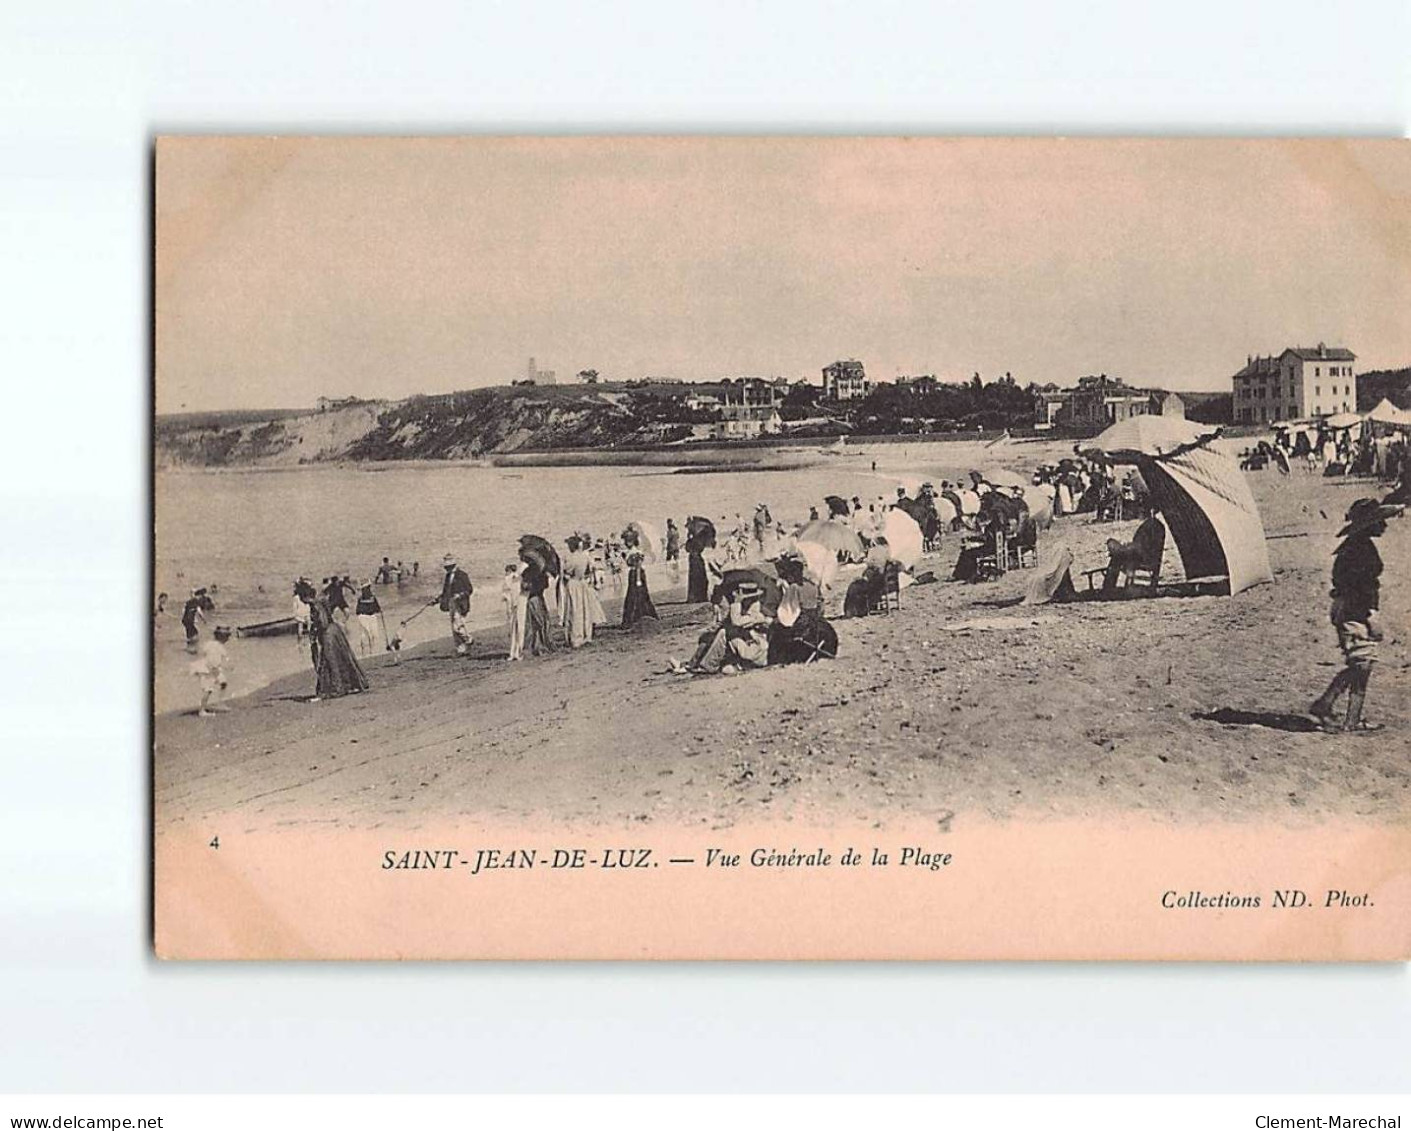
[
  {"x": 1357, "y": 571},
  {"x": 455, "y": 600}
]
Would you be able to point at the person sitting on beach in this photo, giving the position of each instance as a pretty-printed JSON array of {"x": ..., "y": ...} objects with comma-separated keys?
[
  {"x": 799, "y": 632},
  {"x": 1142, "y": 552},
  {"x": 210, "y": 669},
  {"x": 739, "y": 638}
]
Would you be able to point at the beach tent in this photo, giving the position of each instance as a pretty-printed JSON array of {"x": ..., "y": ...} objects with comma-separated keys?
[
  {"x": 1343, "y": 420},
  {"x": 1201, "y": 493},
  {"x": 1388, "y": 413}
]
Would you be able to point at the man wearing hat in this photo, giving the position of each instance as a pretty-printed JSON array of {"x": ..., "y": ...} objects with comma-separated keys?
[
  {"x": 1357, "y": 571},
  {"x": 455, "y": 600}
]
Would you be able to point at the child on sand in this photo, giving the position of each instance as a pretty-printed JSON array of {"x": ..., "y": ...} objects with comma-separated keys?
[
  {"x": 210, "y": 669},
  {"x": 1357, "y": 571}
]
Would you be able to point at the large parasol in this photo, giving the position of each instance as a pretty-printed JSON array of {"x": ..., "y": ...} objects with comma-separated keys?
[
  {"x": 833, "y": 536},
  {"x": 701, "y": 530},
  {"x": 903, "y": 535},
  {"x": 837, "y": 506},
  {"x": 540, "y": 553},
  {"x": 1148, "y": 436},
  {"x": 641, "y": 536},
  {"x": 1202, "y": 496},
  {"x": 1343, "y": 420},
  {"x": 819, "y": 561},
  {"x": 732, "y": 579}
]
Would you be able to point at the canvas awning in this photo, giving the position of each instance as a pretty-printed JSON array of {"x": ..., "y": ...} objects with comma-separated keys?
[
  {"x": 1388, "y": 413},
  {"x": 1201, "y": 494}
]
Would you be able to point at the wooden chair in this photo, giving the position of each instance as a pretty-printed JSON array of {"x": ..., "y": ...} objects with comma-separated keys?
[
  {"x": 888, "y": 595},
  {"x": 1023, "y": 548},
  {"x": 993, "y": 562}
]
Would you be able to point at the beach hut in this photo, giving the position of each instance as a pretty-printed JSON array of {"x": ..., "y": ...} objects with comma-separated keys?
[{"x": 1201, "y": 494}]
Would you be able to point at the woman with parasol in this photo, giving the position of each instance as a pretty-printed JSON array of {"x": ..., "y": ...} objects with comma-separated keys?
[{"x": 541, "y": 561}]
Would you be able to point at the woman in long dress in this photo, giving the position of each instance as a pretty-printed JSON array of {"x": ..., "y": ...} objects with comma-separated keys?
[
  {"x": 577, "y": 613},
  {"x": 637, "y": 605},
  {"x": 336, "y": 669},
  {"x": 697, "y": 584}
]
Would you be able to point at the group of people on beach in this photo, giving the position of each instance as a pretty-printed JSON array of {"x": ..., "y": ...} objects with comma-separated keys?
[{"x": 767, "y": 597}]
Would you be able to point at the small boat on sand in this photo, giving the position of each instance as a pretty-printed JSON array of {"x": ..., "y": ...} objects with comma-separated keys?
[{"x": 285, "y": 626}]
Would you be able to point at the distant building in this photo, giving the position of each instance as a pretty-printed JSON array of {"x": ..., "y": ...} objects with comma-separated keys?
[
  {"x": 1104, "y": 400},
  {"x": 743, "y": 422},
  {"x": 920, "y": 386},
  {"x": 845, "y": 381},
  {"x": 325, "y": 404},
  {"x": 1049, "y": 403},
  {"x": 533, "y": 375},
  {"x": 752, "y": 392},
  {"x": 702, "y": 399},
  {"x": 1300, "y": 382}
]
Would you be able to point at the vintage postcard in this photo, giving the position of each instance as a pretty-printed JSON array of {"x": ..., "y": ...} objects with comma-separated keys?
[{"x": 781, "y": 548}]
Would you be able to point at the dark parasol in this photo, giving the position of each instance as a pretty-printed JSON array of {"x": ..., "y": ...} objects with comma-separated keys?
[
  {"x": 700, "y": 530},
  {"x": 540, "y": 553},
  {"x": 837, "y": 505}
]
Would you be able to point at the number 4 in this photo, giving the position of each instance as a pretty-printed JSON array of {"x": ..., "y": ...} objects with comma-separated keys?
[{"x": 215, "y": 842}]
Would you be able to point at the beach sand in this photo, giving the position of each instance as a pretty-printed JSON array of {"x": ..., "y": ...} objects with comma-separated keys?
[{"x": 1180, "y": 709}]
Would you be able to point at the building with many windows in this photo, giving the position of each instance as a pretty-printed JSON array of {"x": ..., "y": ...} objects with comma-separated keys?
[
  {"x": 746, "y": 422},
  {"x": 845, "y": 381},
  {"x": 1103, "y": 400},
  {"x": 1300, "y": 382}
]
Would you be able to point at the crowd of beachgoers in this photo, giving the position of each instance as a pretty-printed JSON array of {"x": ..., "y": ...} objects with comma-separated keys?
[{"x": 772, "y": 584}]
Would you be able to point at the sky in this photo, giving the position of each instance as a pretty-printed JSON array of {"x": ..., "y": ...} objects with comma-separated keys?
[{"x": 289, "y": 269}]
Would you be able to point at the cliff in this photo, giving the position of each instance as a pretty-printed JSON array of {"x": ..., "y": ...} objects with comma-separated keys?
[{"x": 465, "y": 425}]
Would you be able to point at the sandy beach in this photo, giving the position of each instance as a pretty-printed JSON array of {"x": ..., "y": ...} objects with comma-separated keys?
[{"x": 1177, "y": 708}]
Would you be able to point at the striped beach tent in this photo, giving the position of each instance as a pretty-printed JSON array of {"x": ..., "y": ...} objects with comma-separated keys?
[{"x": 1202, "y": 496}]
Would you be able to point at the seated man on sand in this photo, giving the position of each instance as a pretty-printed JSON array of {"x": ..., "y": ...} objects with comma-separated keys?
[
  {"x": 740, "y": 639},
  {"x": 1142, "y": 552}
]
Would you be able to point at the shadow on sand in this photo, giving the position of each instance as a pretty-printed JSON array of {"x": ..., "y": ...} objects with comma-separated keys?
[{"x": 1274, "y": 720}]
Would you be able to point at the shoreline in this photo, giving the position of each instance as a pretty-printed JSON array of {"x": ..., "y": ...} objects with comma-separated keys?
[{"x": 1172, "y": 708}]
